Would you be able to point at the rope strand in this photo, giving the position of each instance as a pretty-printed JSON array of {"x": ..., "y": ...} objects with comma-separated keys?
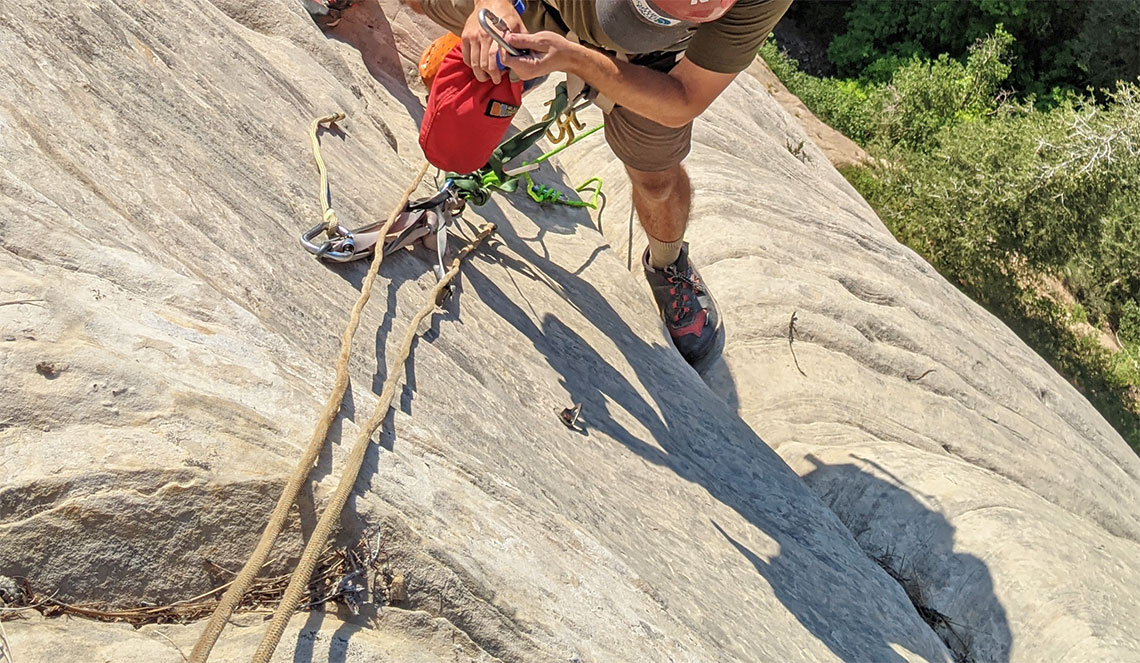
[
  {"x": 331, "y": 516},
  {"x": 327, "y": 212},
  {"x": 252, "y": 567}
]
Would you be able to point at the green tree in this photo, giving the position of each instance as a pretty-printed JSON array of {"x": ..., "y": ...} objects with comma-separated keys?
[
  {"x": 918, "y": 100},
  {"x": 1060, "y": 44},
  {"x": 1108, "y": 47}
]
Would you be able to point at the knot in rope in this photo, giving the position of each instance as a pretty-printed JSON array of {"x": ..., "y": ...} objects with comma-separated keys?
[{"x": 330, "y": 222}]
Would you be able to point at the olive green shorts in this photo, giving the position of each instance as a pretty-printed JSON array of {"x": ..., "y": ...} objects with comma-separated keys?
[{"x": 640, "y": 143}]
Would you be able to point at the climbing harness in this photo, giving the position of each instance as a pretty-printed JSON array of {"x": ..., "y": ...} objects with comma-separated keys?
[
  {"x": 423, "y": 219},
  {"x": 427, "y": 220},
  {"x": 498, "y": 175}
]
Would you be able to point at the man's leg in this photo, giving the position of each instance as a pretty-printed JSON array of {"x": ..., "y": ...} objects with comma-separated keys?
[
  {"x": 662, "y": 203},
  {"x": 652, "y": 155}
]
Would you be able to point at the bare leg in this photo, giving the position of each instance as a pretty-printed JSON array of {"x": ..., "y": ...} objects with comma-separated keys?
[
  {"x": 662, "y": 202},
  {"x": 413, "y": 5}
]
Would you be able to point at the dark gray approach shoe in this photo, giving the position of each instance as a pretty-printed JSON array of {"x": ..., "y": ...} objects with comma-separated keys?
[{"x": 687, "y": 307}]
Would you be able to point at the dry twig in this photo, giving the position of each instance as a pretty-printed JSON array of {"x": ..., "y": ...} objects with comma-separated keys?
[
  {"x": 6, "y": 655},
  {"x": 338, "y": 577},
  {"x": 174, "y": 644},
  {"x": 916, "y": 378},
  {"x": 34, "y": 302},
  {"x": 791, "y": 338}
]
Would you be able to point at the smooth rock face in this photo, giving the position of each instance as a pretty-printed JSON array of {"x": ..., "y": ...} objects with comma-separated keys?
[
  {"x": 160, "y": 386},
  {"x": 955, "y": 455},
  {"x": 407, "y": 637}
]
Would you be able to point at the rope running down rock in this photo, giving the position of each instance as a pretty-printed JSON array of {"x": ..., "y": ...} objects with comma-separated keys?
[
  {"x": 331, "y": 516},
  {"x": 249, "y": 571}
]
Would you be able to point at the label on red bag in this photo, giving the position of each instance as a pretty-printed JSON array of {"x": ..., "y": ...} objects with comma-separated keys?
[
  {"x": 466, "y": 118},
  {"x": 500, "y": 109}
]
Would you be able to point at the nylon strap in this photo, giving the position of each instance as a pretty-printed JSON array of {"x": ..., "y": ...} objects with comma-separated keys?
[
  {"x": 477, "y": 187},
  {"x": 529, "y": 137}
]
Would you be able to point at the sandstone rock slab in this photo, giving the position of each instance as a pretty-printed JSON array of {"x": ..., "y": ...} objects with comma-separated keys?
[
  {"x": 956, "y": 456},
  {"x": 156, "y": 176}
]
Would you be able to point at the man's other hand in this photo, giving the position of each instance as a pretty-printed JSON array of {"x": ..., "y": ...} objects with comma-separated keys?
[
  {"x": 479, "y": 49},
  {"x": 548, "y": 52}
]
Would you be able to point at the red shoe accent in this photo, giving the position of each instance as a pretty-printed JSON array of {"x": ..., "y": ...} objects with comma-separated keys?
[{"x": 694, "y": 327}]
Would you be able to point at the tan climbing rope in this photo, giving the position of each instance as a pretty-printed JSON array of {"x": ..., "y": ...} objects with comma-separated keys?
[
  {"x": 295, "y": 592},
  {"x": 327, "y": 212},
  {"x": 249, "y": 571}
]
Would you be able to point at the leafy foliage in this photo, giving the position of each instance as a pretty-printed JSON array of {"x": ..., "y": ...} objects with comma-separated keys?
[
  {"x": 1025, "y": 193},
  {"x": 920, "y": 98},
  {"x": 1043, "y": 190},
  {"x": 1061, "y": 44},
  {"x": 1130, "y": 322},
  {"x": 845, "y": 105},
  {"x": 999, "y": 195}
]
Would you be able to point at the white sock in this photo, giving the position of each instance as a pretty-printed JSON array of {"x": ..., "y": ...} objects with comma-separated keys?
[{"x": 663, "y": 254}]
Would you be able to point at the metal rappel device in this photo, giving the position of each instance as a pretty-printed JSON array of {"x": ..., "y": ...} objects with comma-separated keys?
[{"x": 425, "y": 220}]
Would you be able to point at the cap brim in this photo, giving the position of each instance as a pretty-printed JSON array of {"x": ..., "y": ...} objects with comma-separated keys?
[{"x": 634, "y": 33}]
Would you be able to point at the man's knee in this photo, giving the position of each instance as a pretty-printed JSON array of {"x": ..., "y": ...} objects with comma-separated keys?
[{"x": 659, "y": 185}]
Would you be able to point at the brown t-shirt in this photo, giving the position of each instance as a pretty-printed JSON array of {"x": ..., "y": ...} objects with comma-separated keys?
[{"x": 727, "y": 45}]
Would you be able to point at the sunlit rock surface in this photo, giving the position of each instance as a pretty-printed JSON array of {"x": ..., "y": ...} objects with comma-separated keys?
[
  {"x": 175, "y": 346},
  {"x": 956, "y": 456}
]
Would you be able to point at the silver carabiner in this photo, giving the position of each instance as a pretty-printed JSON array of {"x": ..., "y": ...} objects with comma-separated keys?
[{"x": 341, "y": 249}]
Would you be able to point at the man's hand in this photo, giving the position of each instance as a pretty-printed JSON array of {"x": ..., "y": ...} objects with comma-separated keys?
[
  {"x": 479, "y": 49},
  {"x": 549, "y": 52}
]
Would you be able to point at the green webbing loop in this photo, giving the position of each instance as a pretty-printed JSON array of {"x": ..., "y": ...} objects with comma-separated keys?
[
  {"x": 476, "y": 188},
  {"x": 593, "y": 204},
  {"x": 529, "y": 137},
  {"x": 545, "y": 195}
]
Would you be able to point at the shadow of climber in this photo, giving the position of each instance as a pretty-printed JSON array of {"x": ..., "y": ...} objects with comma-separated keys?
[{"x": 951, "y": 591}]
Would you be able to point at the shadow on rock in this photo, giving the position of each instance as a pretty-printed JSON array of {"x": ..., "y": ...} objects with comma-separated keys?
[
  {"x": 675, "y": 431},
  {"x": 310, "y": 634},
  {"x": 975, "y": 629},
  {"x": 365, "y": 27}
]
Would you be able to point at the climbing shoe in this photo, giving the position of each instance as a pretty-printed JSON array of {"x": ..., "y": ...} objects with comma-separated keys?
[{"x": 688, "y": 309}]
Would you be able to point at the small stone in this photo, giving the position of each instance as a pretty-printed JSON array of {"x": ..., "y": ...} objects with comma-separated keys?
[
  {"x": 398, "y": 590},
  {"x": 10, "y": 592},
  {"x": 51, "y": 369}
]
